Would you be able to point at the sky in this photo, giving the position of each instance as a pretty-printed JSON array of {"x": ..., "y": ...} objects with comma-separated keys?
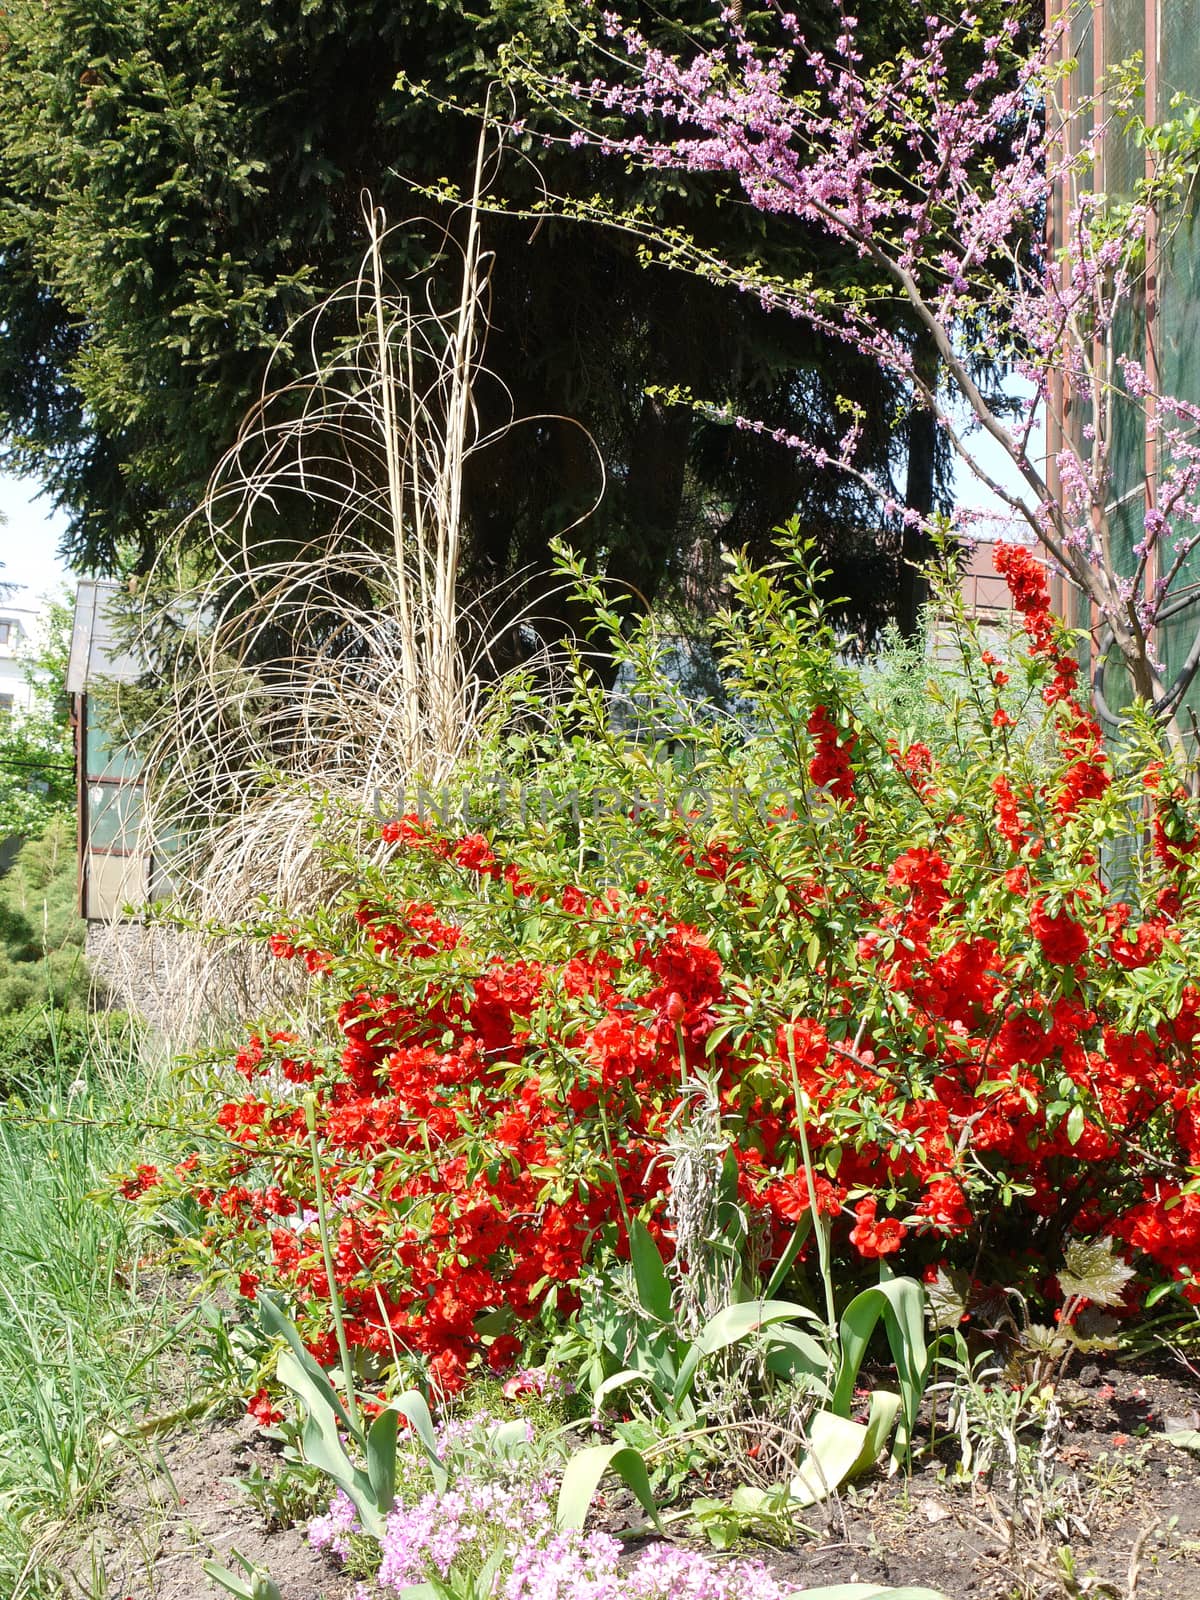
[
  {"x": 29, "y": 536},
  {"x": 993, "y": 459}
]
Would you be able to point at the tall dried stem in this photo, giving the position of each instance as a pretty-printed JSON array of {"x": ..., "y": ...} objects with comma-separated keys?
[{"x": 325, "y": 659}]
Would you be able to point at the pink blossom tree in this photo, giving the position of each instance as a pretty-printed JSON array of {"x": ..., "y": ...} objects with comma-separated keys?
[{"x": 943, "y": 185}]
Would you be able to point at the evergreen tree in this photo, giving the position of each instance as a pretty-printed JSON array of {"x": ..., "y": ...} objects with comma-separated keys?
[{"x": 178, "y": 182}]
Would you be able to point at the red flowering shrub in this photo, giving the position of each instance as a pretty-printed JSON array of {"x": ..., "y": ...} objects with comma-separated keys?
[{"x": 991, "y": 1028}]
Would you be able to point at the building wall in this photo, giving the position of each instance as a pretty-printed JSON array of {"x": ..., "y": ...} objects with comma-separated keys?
[{"x": 17, "y": 627}]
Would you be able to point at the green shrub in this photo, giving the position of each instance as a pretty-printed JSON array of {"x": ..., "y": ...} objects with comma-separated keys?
[
  {"x": 41, "y": 1047},
  {"x": 37, "y": 785},
  {"x": 41, "y": 931},
  {"x": 648, "y": 980}
]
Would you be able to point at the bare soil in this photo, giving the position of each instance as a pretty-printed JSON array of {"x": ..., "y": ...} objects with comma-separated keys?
[
  {"x": 1131, "y": 1503},
  {"x": 169, "y": 1514}
]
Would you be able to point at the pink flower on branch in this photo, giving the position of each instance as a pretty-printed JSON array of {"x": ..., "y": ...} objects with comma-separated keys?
[{"x": 937, "y": 171}]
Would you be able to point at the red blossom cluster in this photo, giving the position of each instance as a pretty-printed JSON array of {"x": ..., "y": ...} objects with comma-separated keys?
[
  {"x": 429, "y": 1236},
  {"x": 508, "y": 1052},
  {"x": 830, "y": 766},
  {"x": 140, "y": 1181},
  {"x": 1026, "y": 579}
]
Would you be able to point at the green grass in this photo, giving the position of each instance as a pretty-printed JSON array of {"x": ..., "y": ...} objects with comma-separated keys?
[{"x": 82, "y": 1326}]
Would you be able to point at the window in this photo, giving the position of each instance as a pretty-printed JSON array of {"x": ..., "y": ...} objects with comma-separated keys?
[
  {"x": 6, "y": 704},
  {"x": 7, "y": 630}
]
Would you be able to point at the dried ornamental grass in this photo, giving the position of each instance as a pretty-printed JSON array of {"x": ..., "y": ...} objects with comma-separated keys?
[{"x": 327, "y": 659}]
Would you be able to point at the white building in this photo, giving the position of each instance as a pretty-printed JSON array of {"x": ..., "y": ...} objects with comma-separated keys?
[{"x": 18, "y": 624}]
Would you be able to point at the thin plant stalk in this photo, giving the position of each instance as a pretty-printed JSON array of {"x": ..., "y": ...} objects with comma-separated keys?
[
  {"x": 622, "y": 1205},
  {"x": 683, "y": 1066},
  {"x": 819, "y": 1229},
  {"x": 335, "y": 1304}
]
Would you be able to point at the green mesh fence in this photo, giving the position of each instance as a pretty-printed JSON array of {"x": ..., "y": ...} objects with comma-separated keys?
[
  {"x": 1121, "y": 24},
  {"x": 1176, "y": 344}
]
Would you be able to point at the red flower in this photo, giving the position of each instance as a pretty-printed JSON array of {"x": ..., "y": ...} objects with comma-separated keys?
[
  {"x": 502, "y": 1352},
  {"x": 789, "y": 1198},
  {"x": 411, "y": 831},
  {"x": 1145, "y": 947},
  {"x": 248, "y": 1058},
  {"x": 916, "y": 763},
  {"x": 1021, "y": 1041},
  {"x": 1008, "y": 816},
  {"x": 872, "y": 1238},
  {"x": 675, "y": 1008},
  {"x": 830, "y": 767},
  {"x": 1063, "y": 940},
  {"x": 447, "y": 1371},
  {"x": 922, "y": 870},
  {"x": 944, "y": 1206},
  {"x": 1174, "y": 841},
  {"x": 261, "y": 1409},
  {"x": 1086, "y": 777},
  {"x": 805, "y": 1041},
  {"x": 1026, "y": 580},
  {"x": 144, "y": 1177},
  {"x": 285, "y": 1249},
  {"x": 476, "y": 855}
]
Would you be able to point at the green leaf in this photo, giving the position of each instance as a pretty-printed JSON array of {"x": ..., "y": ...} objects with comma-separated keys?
[
  {"x": 509, "y": 1440},
  {"x": 730, "y": 1326},
  {"x": 653, "y": 1284},
  {"x": 795, "y": 1353},
  {"x": 1185, "y": 1439},
  {"x": 716, "y": 1036},
  {"x": 1092, "y": 1268},
  {"x": 228, "y": 1580},
  {"x": 881, "y": 1419},
  {"x": 321, "y": 1446},
  {"x": 381, "y": 1458},
  {"x": 260, "y": 1584},
  {"x": 835, "y": 1446},
  {"x": 583, "y": 1475},
  {"x": 493, "y": 1322},
  {"x": 900, "y": 1302},
  {"x": 1159, "y": 1292},
  {"x": 748, "y": 1500},
  {"x": 1075, "y": 1120},
  {"x": 947, "y": 1298},
  {"x": 487, "y": 1573},
  {"x": 413, "y": 1405},
  {"x": 280, "y": 1326},
  {"x": 622, "y": 1380}
]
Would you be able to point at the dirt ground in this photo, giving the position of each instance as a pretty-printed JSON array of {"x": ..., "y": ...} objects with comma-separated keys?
[
  {"x": 1130, "y": 1504},
  {"x": 1130, "y": 1509},
  {"x": 182, "y": 1507}
]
